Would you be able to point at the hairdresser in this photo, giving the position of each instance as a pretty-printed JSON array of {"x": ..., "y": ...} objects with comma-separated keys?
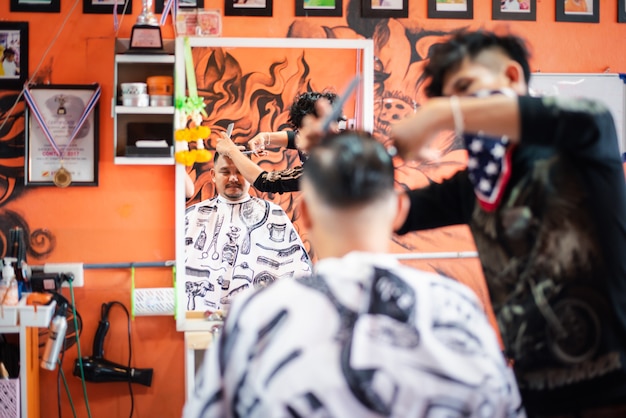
[{"x": 279, "y": 181}]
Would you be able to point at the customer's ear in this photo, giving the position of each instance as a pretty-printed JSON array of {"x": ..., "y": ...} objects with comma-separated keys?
[{"x": 403, "y": 206}]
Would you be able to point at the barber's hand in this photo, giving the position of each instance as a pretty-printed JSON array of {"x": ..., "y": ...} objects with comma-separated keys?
[
  {"x": 226, "y": 147},
  {"x": 311, "y": 131},
  {"x": 412, "y": 137},
  {"x": 258, "y": 143}
]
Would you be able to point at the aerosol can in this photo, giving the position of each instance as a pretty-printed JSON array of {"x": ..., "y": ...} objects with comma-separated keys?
[{"x": 56, "y": 337}]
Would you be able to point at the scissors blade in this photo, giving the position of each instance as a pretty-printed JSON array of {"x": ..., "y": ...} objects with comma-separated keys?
[{"x": 338, "y": 104}]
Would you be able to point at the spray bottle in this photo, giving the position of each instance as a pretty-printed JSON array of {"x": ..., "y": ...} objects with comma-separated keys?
[
  {"x": 9, "y": 295},
  {"x": 56, "y": 337}
]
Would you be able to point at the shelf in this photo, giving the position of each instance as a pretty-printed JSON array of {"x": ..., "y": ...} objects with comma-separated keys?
[
  {"x": 144, "y": 58},
  {"x": 144, "y": 160},
  {"x": 131, "y": 123},
  {"x": 144, "y": 110},
  {"x": 14, "y": 329}
]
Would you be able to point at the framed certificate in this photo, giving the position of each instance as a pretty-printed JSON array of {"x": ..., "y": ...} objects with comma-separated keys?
[{"x": 62, "y": 135}]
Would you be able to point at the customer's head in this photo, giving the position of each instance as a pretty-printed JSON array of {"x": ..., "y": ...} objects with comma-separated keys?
[
  {"x": 229, "y": 182},
  {"x": 348, "y": 194},
  {"x": 477, "y": 60},
  {"x": 304, "y": 104}
]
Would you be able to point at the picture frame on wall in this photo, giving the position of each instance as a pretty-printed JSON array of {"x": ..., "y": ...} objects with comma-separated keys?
[
  {"x": 451, "y": 9},
  {"x": 159, "y": 5},
  {"x": 514, "y": 10},
  {"x": 248, "y": 7},
  {"x": 587, "y": 11},
  {"x": 385, "y": 8},
  {"x": 39, "y": 6},
  {"x": 60, "y": 106},
  {"x": 14, "y": 50},
  {"x": 106, "y": 6},
  {"x": 319, "y": 8},
  {"x": 621, "y": 11}
]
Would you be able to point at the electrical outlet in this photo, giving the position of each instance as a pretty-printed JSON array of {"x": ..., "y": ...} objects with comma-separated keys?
[{"x": 68, "y": 268}]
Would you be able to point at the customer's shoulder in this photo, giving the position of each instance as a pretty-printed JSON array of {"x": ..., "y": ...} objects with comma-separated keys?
[
  {"x": 430, "y": 281},
  {"x": 274, "y": 207},
  {"x": 202, "y": 204}
]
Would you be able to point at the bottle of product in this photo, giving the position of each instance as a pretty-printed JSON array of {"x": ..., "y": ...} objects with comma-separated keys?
[
  {"x": 56, "y": 337},
  {"x": 9, "y": 295}
]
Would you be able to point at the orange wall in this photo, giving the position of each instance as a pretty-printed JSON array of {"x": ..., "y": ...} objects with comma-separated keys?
[{"x": 129, "y": 217}]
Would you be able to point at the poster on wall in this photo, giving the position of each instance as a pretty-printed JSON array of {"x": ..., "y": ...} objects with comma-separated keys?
[
  {"x": 385, "y": 8},
  {"x": 514, "y": 10},
  {"x": 319, "y": 7},
  {"x": 13, "y": 55},
  {"x": 39, "y": 6},
  {"x": 62, "y": 135},
  {"x": 451, "y": 9},
  {"x": 248, "y": 8},
  {"x": 578, "y": 11}
]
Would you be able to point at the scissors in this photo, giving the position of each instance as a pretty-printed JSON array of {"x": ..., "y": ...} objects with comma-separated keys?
[{"x": 213, "y": 243}]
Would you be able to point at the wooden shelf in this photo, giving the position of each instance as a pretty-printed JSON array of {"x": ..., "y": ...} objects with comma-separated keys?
[
  {"x": 144, "y": 160},
  {"x": 144, "y": 110}
]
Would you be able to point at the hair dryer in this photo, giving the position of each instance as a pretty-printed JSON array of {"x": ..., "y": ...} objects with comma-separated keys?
[{"x": 99, "y": 370}]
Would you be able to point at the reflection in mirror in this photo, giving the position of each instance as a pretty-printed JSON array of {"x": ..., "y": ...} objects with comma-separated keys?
[{"x": 251, "y": 83}]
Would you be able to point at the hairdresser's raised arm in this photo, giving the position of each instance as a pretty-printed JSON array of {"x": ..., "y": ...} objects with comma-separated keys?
[{"x": 495, "y": 115}]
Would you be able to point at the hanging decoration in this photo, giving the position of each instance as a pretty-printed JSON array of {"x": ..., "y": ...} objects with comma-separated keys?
[
  {"x": 188, "y": 118},
  {"x": 169, "y": 6}
]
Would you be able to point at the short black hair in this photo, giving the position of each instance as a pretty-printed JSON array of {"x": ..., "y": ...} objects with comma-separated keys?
[
  {"x": 216, "y": 156},
  {"x": 448, "y": 56},
  {"x": 304, "y": 104},
  {"x": 349, "y": 168}
]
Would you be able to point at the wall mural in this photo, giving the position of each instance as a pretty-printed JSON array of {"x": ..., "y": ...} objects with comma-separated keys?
[{"x": 40, "y": 243}]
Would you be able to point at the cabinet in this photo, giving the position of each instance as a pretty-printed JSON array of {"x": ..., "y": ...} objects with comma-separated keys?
[
  {"x": 132, "y": 67},
  {"x": 29, "y": 368}
]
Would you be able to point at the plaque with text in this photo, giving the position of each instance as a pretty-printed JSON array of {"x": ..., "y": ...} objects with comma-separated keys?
[{"x": 62, "y": 135}]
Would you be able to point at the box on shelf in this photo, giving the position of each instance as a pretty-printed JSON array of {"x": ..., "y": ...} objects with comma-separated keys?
[
  {"x": 199, "y": 23},
  {"x": 8, "y": 316},
  {"x": 149, "y": 152},
  {"x": 9, "y": 398},
  {"x": 149, "y": 139},
  {"x": 35, "y": 315}
]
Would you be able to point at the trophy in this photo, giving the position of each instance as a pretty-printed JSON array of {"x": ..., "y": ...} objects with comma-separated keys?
[{"x": 146, "y": 33}]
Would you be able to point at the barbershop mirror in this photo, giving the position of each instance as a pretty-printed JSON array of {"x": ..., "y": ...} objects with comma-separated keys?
[{"x": 252, "y": 82}]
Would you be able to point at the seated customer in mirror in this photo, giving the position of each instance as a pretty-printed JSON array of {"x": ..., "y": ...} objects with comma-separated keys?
[
  {"x": 364, "y": 336},
  {"x": 278, "y": 181},
  {"x": 235, "y": 242}
]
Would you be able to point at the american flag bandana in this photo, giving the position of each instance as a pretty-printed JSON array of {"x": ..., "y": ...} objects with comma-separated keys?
[
  {"x": 489, "y": 163},
  {"x": 489, "y": 167}
]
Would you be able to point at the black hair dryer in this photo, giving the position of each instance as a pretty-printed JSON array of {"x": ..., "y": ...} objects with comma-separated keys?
[{"x": 97, "y": 369}]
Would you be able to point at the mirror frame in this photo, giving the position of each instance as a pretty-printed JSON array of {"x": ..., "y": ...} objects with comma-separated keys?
[{"x": 364, "y": 97}]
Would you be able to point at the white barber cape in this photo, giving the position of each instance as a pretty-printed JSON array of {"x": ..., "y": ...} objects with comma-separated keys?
[
  {"x": 362, "y": 337},
  {"x": 231, "y": 247}
]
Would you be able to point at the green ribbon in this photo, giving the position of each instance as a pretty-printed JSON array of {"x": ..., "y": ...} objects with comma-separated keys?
[
  {"x": 191, "y": 74},
  {"x": 192, "y": 103}
]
